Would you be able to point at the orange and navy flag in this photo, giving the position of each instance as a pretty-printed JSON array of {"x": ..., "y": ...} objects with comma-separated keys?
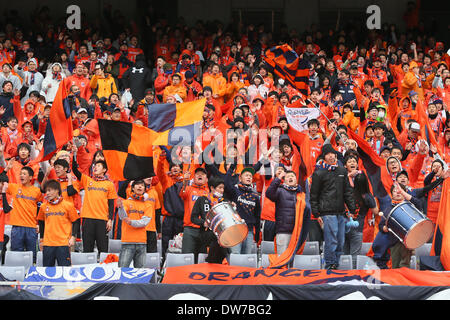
[
  {"x": 176, "y": 124},
  {"x": 59, "y": 129},
  {"x": 128, "y": 149},
  {"x": 441, "y": 240},
  {"x": 425, "y": 126},
  {"x": 285, "y": 63}
]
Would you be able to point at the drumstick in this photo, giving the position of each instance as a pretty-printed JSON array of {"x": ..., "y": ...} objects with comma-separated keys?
[{"x": 380, "y": 214}]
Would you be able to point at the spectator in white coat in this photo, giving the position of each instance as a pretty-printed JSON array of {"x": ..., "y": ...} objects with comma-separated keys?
[
  {"x": 51, "y": 82},
  {"x": 32, "y": 79}
]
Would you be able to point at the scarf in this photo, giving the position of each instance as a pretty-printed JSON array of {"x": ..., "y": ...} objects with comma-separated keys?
[
  {"x": 54, "y": 201},
  {"x": 290, "y": 188},
  {"x": 23, "y": 161},
  {"x": 321, "y": 164},
  {"x": 32, "y": 77},
  {"x": 65, "y": 179},
  {"x": 214, "y": 200},
  {"x": 97, "y": 178},
  {"x": 136, "y": 197},
  {"x": 12, "y": 134},
  {"x": 245, "y": 188},
  {"x": 56, "y": 76}
]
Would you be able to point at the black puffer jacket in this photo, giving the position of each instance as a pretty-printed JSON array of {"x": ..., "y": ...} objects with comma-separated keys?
[
  {"x": 330, "y": 191},
  {"x": 285, "y": 205}
]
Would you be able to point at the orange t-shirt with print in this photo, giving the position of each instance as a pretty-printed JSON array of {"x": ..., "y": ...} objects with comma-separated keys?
[
  {"x": 24, "y": 204},
  {"x": 58, "y": 219},
  {"x": 154, "y": 198},
  {"x": 96, "y": 196},
  {"x": 189, "y": 196},
  {"x": 136, "y": 210}
]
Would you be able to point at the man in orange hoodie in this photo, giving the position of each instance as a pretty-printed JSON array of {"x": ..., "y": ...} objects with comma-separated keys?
[
  {"x": 80, "y": 81},
  {"x": 177, "y": 87},
  {"x": 217, "y": 82},
  {"x": 412, "y": 81}
]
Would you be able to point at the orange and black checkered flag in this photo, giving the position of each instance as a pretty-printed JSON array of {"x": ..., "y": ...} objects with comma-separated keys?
[
  {"x": 285, "y": 63},
  {"x": 128, "y": 149}
]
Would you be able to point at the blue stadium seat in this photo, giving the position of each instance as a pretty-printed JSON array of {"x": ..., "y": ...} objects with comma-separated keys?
[
  {"x": 307, "y": 262},
  {"x": 244, "y": 260}
]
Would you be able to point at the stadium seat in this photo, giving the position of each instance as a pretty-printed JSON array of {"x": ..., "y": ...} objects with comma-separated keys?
[
  {"x": 254, "y": 247},
  {"x": 39, "y": 259},
  {"x": 413, "y": 263},
  {"x": 345, "y": 262},
  {"x": 159, "y": 246},
  {"x": 267, "y": 247},
  {"x": 179, "y": 259},
  {"x": 103, "y": 256},
  {"x": 244, "y": 260},
  {"x": 365, "y": 248},
  {"x": 424, "y": 250},
  {"x": 311, "y": 248},
  {"x": 265, "y": 260},
  {"x": 19, "y": 258},
  {"x": 114, "y": 245},
  {"x": 307, "y": 262},
  {"x": 83, "y": 258},
  {"x": 202, "y": 257},
  {"x": 363, "y": 262},
  {"x": 13, "y": 273},
  {"x": 152, "y": 260}
]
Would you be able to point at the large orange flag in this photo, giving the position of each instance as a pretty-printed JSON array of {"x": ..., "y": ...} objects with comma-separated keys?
[
  {"x": 427, "y": 132},
  {"x": 441, "y": 241},
  {"x": 59, "y": 129}
]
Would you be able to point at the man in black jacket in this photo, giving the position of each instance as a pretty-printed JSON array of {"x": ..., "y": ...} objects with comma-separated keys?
[
  {"x": 201, "y": 207},
  {"x": 138, "y": 78},
  {"x": 330, "y": 192}
]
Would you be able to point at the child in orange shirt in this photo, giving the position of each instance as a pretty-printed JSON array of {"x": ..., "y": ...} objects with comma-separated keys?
[
  {"x": 58, "y": 222},
  {"x": 135, "y": 213}
]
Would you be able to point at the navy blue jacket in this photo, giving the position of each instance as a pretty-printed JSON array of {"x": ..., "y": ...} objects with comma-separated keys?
[
  {"x": 248, "y": 202},
  {"x": 6, "y": 100},
  {"x": 285, "y": 201}
]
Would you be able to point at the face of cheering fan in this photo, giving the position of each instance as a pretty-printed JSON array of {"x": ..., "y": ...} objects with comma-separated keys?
[
  {"x": 246, "y": 178},
  {"x": 99, "y": 170},
  {"x": 393, "y": 165},
  {"x": 139, "y": 188},
  {"x": 51, "y": 193},
  {"x": 220, "y": 189},
  {"x": 351, "y": 164},
  {"x": 290, "y": 179},
  {"x": 200, "y": 178}
]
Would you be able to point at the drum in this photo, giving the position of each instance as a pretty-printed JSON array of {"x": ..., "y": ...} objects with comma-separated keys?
[
  {"x": 226, "y": 224},
  {"x": 409, "y": 225}
]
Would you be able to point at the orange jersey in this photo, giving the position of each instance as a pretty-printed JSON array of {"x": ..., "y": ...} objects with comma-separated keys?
[
  {"x": 136, "y": 210},
  {"x": 190, "y": 194},
  {"x": 58, "y": 219},
  {"x": 24, "y": 205},
  {"x": 154, "y": 198},
  {"x": 97, "y": 194}
]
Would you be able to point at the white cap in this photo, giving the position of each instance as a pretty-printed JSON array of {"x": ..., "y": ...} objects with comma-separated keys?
[
  {"x": 415, "y": 126},
  {"x": 82, "y": 110}
]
